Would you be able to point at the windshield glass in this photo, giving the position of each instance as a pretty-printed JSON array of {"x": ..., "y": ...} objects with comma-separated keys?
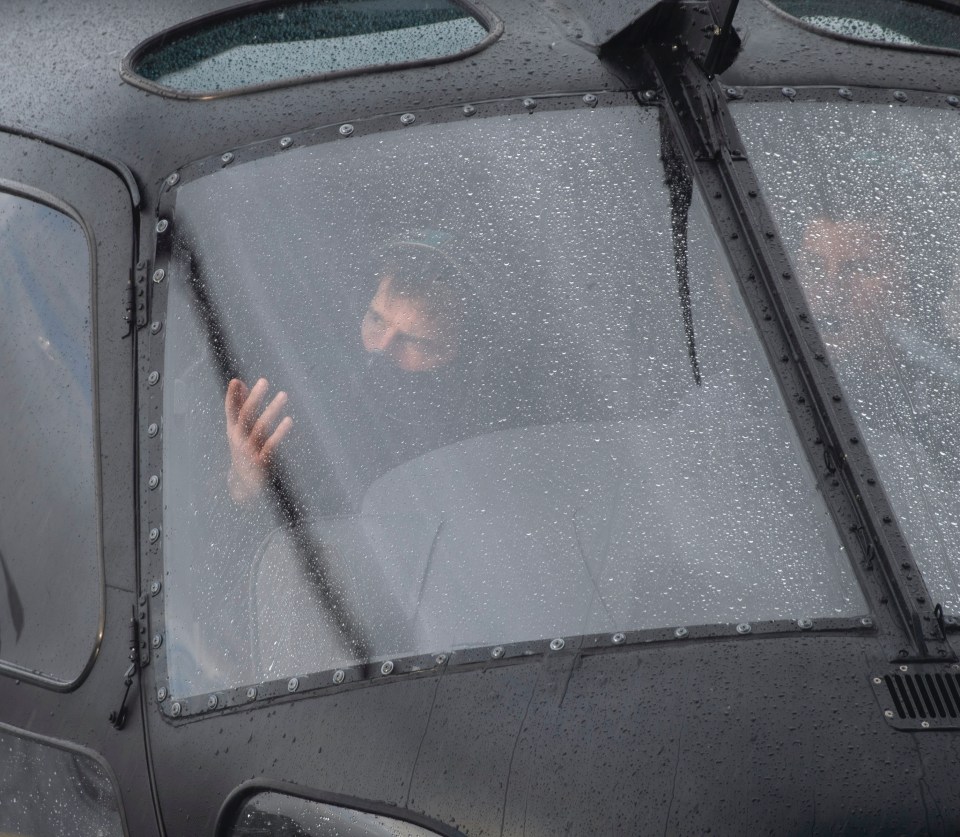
[
  {"x": 867, "y": 198},
  {"x": 492, "y": 425}
]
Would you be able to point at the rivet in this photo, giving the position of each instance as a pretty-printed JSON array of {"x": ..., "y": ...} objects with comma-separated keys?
[
  {"x": 744, "y": 628},
  {"x": 251, "y": 693},
  {"x": 226, "y": 158},
  {"x": 888, "y": 713},
  {"x": 155, "y": 587},
  {"x": 734, "y": 93},
  {"x": 155, "y": 327},
  {"x": 162, "y": 694},
  {"x": 497, "y": 652},
  {"x": 154, "y": 481},
  {"x": 469, "y": 110},
  {"x": 293, "y": 684},
  {"x": 153, "y": 378},
  {"x": 904, "y": 669},
  {"x": 346, "y": 130},
  {"x": 175, "y": 709},
  {"x": 590, "y": 99},
  {"x": 162, "y": 225},
  {"x": 408, "y": 119},
  {"x": 157, "y": 641},
  {"x": 154, "y": 535},
  {"x": 386, "y": 668},
  {"x": 877, "y": 681},
  {"x": 158, "y": 275},
  {"x": 441, "y": 659},
  {"x": 953, "y": 101},
  {"x": 286, "y": 142},
  {"x": 925, "y": 724},
  {"x": 867, "y": 622},
  {"x": 173, "y": 180},
  {"x": 338, "y": 676},
  {"x": 900, "y": 96},
  {"x": 845, "y": 93},
  {"x": 804, "y": 624},
  {"x": 556, "y": 644},
  {"x": 529, "y": 104},
  {"x": 212, "y": 702},
  {"x": 152, "y": 430},
  {"x": 789, "y": 92},
  {"x": 618, "y": 639}
]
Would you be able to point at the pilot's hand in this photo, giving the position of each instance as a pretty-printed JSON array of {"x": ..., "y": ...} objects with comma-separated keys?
[{"x": 253, "y": 439}]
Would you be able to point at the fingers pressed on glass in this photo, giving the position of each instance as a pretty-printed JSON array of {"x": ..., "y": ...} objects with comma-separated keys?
[
  {"x": 261, "y": 430},
  {"x": 237, "y": 392},
  {"x": 248, "y": 412},
  {"x": 276, "y": 437}
]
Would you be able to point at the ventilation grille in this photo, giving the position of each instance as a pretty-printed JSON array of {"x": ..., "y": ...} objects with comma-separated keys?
[{"x": 921, "y": 697}]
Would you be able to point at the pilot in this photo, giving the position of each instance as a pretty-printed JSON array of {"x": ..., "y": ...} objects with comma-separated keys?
[{"x": 413, "y": 386}]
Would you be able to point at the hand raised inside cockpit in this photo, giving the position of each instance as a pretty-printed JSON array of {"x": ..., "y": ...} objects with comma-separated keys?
[{"x": 253, "y": 435}]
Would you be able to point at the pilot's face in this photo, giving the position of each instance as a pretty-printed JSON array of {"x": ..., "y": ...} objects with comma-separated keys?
[{"x": 406, "y": 332}]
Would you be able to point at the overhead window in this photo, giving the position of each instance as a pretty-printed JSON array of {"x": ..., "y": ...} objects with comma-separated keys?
[
  {"x": 894, "y": 22},
  {"x": 50, "y": 578},
  {"x": 266, "y": 45}
]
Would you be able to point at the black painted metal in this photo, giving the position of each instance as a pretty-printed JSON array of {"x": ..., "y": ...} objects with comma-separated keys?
[{"x": 779, "y": 731}]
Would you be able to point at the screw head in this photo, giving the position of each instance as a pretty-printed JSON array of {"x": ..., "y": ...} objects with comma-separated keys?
[
  {"x": 904, "y": 668},
  {"x": 158, "y": 275},
  {"x": 226, "y": 157},
  {"x": 155, "y": 587},
  {"x": 153, "y": 378},
  {"x": 590, "y": 99},
  {"x": 619, "y": 638},
  {"x": 877, "y": 681},
  {"x": 925, "y": 724},
  {"x": 251, "y": 693},
  {"x": 529, "y": 103},
  {"x": 162, "y": 225},
  {"x": 175, "y": 709},
  {"x": 441, "y": 659},
  {"x": 293, "y": 684},
  {"x": 387, "y": 667},
  {"x": 867, "y": 622},
  {"x": 157, "y": 641},
  {"x": 556, "y": 644},
  {"x": 789, "y": 92},
  {"x": 154, "y": 535},
  {"x": 845, "y": 93},
  {"x": 900, "y": 96},
  {"x": 497, "y": 652},
  {"x": 338, "y": 676},
  {"x": 744, "y": 628},
  {"x": 152, "y": 430},
  {"x": 469, "y": 110},
  {"x": 153, "y": 482},
  {"x": 346, "y": 130},
  {"x": 804, "y": 624},
  {"x": 953, "y": 101},
  {"x": 155, "y": 327},
  {"x": 734, "y": 93},
  {"x": 212, "y": 702},
  {"x": 173, "y": 180},
  {"x": 888, "y": 713},
  {"x": 650, "y": 95},
  {"x": 162, "y": 694},
  {"x": 286, "y": 142},
  {"x": 681, "y": 633},
  {"x": 408, "y": 119}
]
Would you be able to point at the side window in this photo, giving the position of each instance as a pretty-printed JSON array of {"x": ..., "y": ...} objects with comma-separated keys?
[
  {"x": 49, "y": 551},
  {"x": 45, "y": 789}
]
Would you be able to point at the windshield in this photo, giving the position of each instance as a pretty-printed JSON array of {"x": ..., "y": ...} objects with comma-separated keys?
[
  {"x": 867, "y": 198},
  {"x": 497, "y": 414}
]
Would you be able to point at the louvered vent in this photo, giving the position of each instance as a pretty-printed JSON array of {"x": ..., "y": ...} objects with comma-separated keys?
[{"x": 930, "y": 697}]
